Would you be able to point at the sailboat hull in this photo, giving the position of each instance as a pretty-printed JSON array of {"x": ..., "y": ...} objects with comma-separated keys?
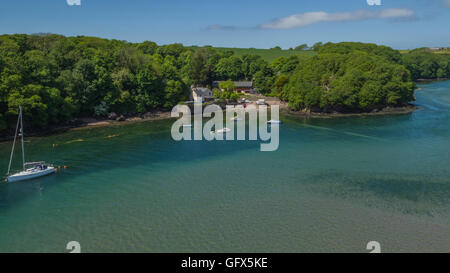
[{"x": 27, "y": 175}]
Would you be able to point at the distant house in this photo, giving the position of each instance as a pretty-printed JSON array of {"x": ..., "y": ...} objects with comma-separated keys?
[
  {"x": 437, "y": 48},
  {"x": 201, "y": 92},
  {"x": 240, "y": 85}
]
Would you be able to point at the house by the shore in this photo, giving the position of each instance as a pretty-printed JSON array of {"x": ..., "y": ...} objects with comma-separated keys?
[
  {"x": 201, "y": 92},
  {"x": 245, "y": 87}
]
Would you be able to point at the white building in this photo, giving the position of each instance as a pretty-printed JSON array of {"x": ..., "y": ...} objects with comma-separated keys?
[{"x": 201, "y": 92}]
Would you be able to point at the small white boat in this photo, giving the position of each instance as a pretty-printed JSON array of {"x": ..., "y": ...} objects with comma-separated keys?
[
  {"x": 261, "y": 102},
  {"x": 30, "y": 170},
  {"x": 221, "y": 131},
  {"x": 274, "y": 122},
  {"x": 236, "y": 119}
]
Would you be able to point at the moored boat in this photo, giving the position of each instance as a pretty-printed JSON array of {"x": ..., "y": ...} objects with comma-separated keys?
[
  {"x": 221, "y": 131},
  {"x": 30, "y": 170}
]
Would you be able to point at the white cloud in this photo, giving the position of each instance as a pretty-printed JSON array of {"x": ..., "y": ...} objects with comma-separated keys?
[
  {"x": 74, "y": 2},
  {"x": 309, "y": 18}
]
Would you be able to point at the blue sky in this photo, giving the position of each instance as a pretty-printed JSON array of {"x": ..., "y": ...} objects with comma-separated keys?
[{"x": 236, "y": 23}]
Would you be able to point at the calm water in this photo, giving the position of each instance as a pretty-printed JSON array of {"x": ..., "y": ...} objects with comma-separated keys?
[{"x": 332, "y": 186}]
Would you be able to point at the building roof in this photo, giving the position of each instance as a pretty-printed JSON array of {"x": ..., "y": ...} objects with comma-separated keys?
[
  {"x": 202, "y": 91},
  {"x": 239, "y": 84}
]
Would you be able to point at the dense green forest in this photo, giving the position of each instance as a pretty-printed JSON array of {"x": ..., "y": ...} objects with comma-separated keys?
[
  {"x": 357, "y": 77},
  {"x": 57, "y": 78},
  {"x": 269, "y": 55},
  {"x": 424, "y": 64}
]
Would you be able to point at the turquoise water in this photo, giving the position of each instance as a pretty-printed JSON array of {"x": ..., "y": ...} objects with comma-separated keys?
[{"x": 333, "y": 186}]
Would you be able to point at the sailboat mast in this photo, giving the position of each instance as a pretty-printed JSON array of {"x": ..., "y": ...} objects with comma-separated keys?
[
  {"x": 14, "y": 144},
  {"x": 21, "y": 133}
]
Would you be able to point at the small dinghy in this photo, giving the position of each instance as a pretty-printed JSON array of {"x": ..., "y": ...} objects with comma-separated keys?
[
  {"x": 274, "y": 122},
  {"x": 236, "y": 119},
  {"x": 30, "y": 170},
  {"x": 221, "y": 131}
]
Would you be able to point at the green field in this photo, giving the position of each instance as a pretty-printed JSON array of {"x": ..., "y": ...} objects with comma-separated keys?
[
  {"x": 441, "y": 51},
  {"x": 267, "y": 54}
]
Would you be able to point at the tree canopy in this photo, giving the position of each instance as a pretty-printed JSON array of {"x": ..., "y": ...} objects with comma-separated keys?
[
  {"x": 424, "y": 64},
  {"x": 350, "y": 77},
  {"x": 301, "y": 47},
  {"x": 57, "y": 78}
]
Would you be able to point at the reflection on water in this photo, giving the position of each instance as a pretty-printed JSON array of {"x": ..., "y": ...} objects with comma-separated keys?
[{"x": 333, "y": 185}]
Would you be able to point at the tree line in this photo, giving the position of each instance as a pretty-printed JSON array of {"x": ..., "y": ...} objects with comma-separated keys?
[
  {"x": 57, "y": 78},
  {"x": 358, "y": 77}
]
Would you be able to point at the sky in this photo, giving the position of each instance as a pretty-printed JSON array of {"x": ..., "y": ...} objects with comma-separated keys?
[{"x": 401, "y": 24}]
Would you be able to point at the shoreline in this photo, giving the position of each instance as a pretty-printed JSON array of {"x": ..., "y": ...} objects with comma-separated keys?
[
  {"x": 88, "y": 123},
  {"x": 403, "y": 110},
  {"x": 421, "y": 81},
  {"x": 284, "y": 109}
]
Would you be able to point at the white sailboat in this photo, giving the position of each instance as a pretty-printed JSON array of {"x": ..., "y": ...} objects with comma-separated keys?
[{"x": 30, "y": 170}]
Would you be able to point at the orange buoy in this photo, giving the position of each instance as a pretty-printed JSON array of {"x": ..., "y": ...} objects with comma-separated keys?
[{"x": 65, "y": 167}]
